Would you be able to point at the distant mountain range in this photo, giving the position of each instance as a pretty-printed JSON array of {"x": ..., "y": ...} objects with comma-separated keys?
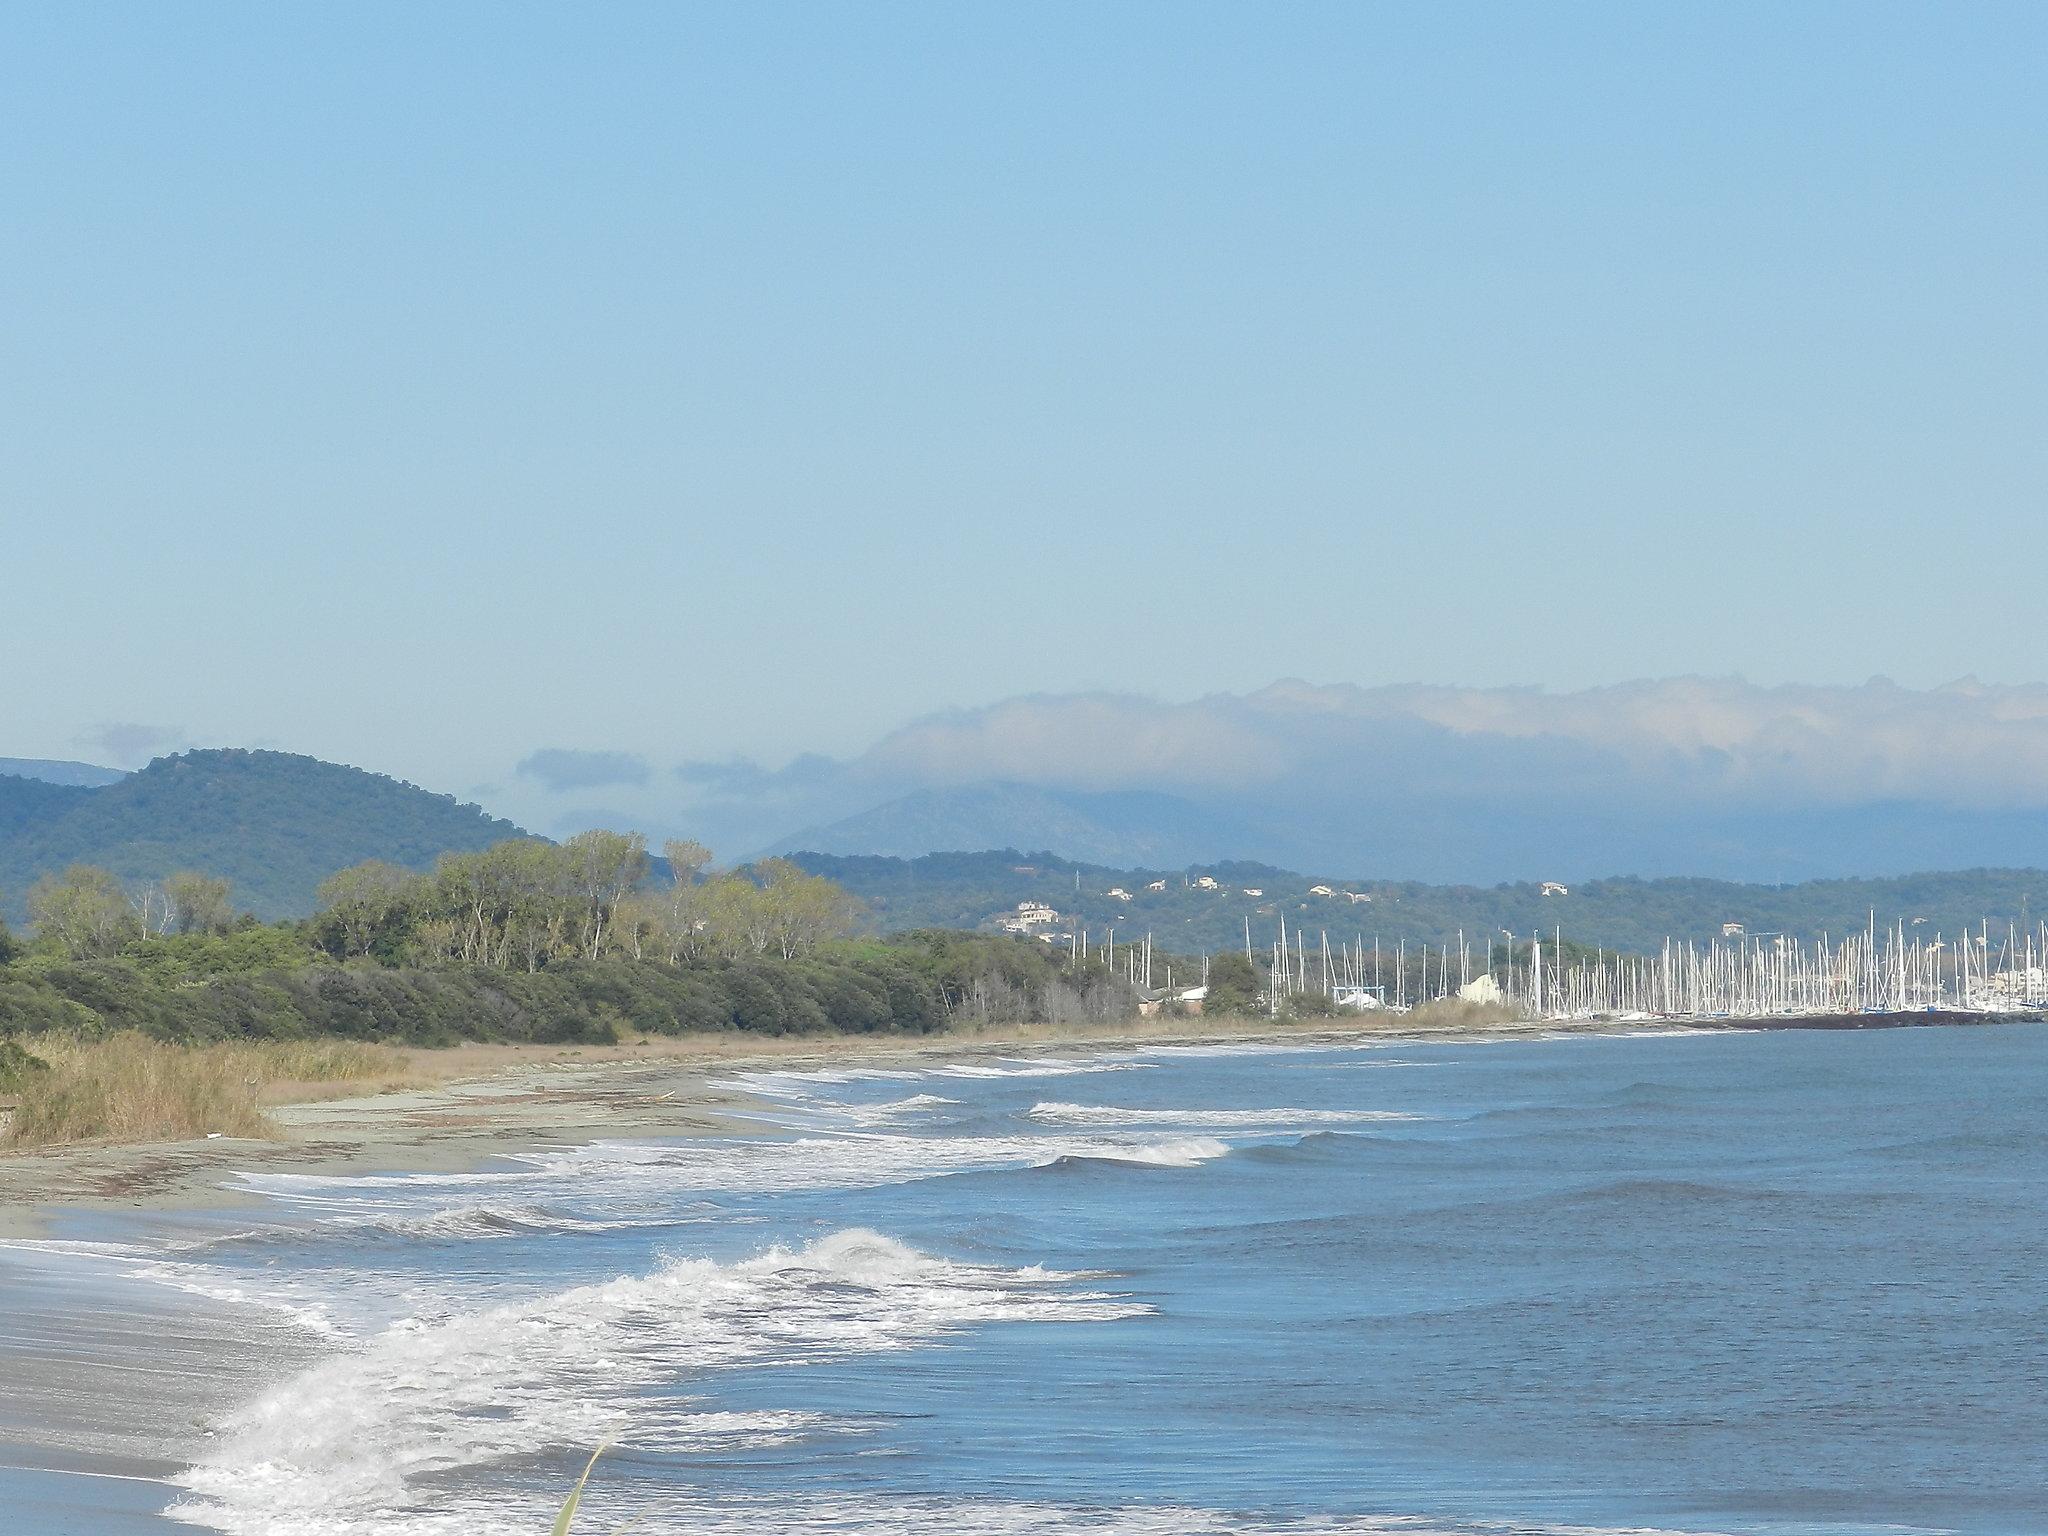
[
  {"x": 968, "y": 890},
  {"x": 50, "y": 771},
  {"x": 1448, "y": 836},
  {"x": 1122, "y": 827},
  {"x": 276, "y": 825},
  {"x": 272, "y": 823}
]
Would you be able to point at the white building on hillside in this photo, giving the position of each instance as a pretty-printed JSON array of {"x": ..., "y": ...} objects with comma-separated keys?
[{"x": 1028, "y": 916}]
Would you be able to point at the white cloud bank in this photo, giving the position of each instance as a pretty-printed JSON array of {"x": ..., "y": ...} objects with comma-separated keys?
[
  {"x": 1965, "y": 744},
  {"x": 1659, "y": 776}
]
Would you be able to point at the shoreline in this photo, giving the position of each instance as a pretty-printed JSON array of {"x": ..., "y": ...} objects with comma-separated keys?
[
  {"x": 498, "y": 1100},
  {"x": 475, "y": 1101}
]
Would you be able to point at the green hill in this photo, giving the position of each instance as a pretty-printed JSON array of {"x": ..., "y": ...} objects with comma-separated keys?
[
  {"x": 273, "y": 823},
  {"x": 968, "y": 890}
]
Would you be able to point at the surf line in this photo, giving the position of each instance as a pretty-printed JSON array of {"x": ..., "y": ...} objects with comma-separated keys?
[{"x": 110, "y": 1477}]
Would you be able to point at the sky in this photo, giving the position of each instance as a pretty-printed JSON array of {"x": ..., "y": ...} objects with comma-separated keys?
[{"x": 437, "y": 388}]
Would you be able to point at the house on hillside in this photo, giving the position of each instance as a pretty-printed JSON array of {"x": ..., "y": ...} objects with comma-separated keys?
[
  {"x": 1357, "y": 896},
  {"x": 1206, "y": 883},
  {"x": 1322, "y": 890},
  {"x": 1156, "y": 885},
  {"x": 1118, "y": 893},
  {"x": 1552, "y": 888},
  {"x": 1731, "y": 930},
  {"x": 1253, "y": 890},
  {"x": 1029, "y": 916}
]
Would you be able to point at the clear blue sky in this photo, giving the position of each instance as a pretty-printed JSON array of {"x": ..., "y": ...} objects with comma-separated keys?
[{"x": 422, "y": 385}]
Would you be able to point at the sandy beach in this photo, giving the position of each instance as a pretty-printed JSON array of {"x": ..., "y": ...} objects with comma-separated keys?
[{"x": 473, "y": 1102}]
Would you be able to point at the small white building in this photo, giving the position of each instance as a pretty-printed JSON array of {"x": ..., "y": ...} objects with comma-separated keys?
[
  {"x": 1358, "y": 896},
  {"x": 1156, "y": 885},
  {"x": 1322, "y": 890},
  {"x": 1253, "y": 890},
  {"x": 1552, "y": 888},
  {"x": 1731, "y": 930},
  {"x": 1118, "y": 893},
  {"x": 1206, "y": 883}
]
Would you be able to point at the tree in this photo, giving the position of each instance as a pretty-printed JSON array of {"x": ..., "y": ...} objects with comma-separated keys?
[
  {"x": 802, "y": 910},
  {"x": 84, "y": 911},
  {"x": 686, "y": 859},
  {"x": 1233, "y": 984},
  {"x": 363, "y": 903},
  {"x": 10, "y": 946},
  {"x": 197, "y": 903},
  {"x": 684, "y": 928},
  {"x": 603, "y": 867}
]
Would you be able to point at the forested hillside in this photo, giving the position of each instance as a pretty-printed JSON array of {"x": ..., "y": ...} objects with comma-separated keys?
[
  {"x": 272, "y": 823},
  {"x": 968, "y": 890}
]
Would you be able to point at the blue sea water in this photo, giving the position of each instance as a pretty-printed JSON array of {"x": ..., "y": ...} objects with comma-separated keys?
[{"x": 1743, "y": 1282}]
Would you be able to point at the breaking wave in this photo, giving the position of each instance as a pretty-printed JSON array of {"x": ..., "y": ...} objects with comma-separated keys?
[
  {"x": 1220, "y": 1119},
  {"x": 339, "y": 1449}
]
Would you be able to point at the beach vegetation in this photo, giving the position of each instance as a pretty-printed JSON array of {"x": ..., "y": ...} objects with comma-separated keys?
[
  {"x": 17, "y": 1066},
  {"x": 129, "y": 1087},
  {"x": 1234, "y": 984}
]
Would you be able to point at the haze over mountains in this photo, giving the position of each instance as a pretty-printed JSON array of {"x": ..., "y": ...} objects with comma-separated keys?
[
  {"x": 1669, "y": 777},
  {"x": 51, "y": 771},
  {"x": 276, "y": 824}
]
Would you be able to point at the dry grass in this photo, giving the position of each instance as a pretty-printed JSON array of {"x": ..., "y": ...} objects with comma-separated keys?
[
  {"x": 128, "y": 1087},
  {"x": 1457, "y": 1013}
]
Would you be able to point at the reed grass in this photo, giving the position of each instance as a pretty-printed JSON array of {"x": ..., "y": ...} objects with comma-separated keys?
[
  {"x": 1457, "y": 1013},
  {"x": 128, "y": 1087}
]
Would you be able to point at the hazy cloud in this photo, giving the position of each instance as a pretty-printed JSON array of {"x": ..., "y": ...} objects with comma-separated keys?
[
  {"x": 1964, "y": 744},
  {"x": 129, "y": 743},
  {"x": 562, "y": 769},
  {"x": 1337, "y": 760}
]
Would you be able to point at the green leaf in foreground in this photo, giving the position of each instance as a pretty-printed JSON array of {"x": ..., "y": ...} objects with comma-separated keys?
[{"x": 568, "y": 1514}]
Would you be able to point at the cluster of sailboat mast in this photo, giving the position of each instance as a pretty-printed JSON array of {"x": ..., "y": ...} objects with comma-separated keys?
[{"x": 1895, "y": 969}]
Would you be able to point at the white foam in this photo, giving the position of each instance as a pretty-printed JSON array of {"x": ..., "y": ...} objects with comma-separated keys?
[
  {"x": 341, "y": 1449},
  {"x": 1217, "y": 1119},
  {"x": 616, "y": 1172},
  {"x": 1177, "y": 1152},
  {"x": 1038, "y": 1066},
  {"x": 796, "y": 1084},
  {"x": 896, "y": 1109},
  {"x": 678, "y": 1511}
]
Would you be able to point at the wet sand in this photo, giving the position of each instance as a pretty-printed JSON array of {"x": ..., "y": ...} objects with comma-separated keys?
[{"x": 474, "y": 1102}]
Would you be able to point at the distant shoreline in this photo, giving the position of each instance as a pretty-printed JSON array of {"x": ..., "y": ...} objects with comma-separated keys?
[{"x": 486, "y": 1101}]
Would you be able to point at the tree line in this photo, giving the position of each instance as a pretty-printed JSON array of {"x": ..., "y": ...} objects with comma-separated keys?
[
  {"x": 523, "y": 904},
  {"x": 520, "y": 904},
  {"x": 523, "y": 940}
]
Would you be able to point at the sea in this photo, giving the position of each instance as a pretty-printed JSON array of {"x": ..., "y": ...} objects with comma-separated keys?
[{"x": 1771, "y": 1282}]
